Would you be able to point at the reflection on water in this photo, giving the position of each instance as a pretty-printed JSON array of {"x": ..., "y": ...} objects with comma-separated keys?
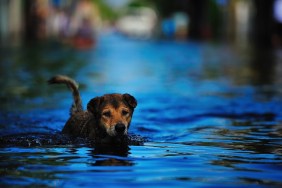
[{"x": 212, "y": 115}]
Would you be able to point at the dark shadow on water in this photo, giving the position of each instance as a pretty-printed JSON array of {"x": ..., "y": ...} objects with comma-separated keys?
[
  {"x": 111, "y": 155},
  {"x": 263, "y": 64},
  {"x": 121, "y": 150}
]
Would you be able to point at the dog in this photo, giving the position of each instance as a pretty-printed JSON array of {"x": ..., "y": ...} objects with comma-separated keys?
[{"x": 107, "y": 118}]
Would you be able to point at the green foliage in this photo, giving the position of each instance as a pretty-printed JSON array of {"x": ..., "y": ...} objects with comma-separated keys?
[
  {"x": 107, "y": 13},
  {"x": 139, "y": 3}
]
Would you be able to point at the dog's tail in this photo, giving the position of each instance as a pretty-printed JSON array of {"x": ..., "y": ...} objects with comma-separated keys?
[{"x": 73, "y": 86}]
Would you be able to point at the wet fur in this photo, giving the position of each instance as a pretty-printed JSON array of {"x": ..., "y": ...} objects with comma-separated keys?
[{"x": 107, "y": 118}]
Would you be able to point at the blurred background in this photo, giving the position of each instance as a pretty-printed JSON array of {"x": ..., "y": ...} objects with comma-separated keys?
[
  {"x": 106, "y": 43},
  {"x": 238, "y": 21}
]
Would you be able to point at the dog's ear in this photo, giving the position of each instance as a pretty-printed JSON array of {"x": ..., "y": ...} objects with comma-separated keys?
[
  {"x": 131, "y": 101},
  {"x": 94, "y": 104}
]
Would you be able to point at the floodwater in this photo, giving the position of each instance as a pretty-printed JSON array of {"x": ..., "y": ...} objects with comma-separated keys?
[{"x": 211, "y": 115}]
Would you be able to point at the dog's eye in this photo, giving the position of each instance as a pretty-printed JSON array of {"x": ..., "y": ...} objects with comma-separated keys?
[
  {"x": 125, "y": 112},
  {"x": 107, "y": 114}
]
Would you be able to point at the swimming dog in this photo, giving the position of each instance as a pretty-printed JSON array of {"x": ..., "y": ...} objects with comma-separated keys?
[{"x": 107, "y": 118}]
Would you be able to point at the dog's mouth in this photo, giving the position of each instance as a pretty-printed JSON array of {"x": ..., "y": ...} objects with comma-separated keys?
[
  {"x": 117, "y": 135},
  {"x": 117, "y": 139}
]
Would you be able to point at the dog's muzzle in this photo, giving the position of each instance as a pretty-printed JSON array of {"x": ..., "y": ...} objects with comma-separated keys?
[{"x": 120, "y": 128}]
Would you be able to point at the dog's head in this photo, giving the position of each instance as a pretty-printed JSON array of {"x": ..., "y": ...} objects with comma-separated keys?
[{"x": 113, "y": 113}]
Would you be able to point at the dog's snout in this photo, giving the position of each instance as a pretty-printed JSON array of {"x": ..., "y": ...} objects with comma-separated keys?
[{"x": 120, "y": 127}]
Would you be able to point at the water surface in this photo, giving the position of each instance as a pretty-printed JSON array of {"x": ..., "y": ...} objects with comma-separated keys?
[{"x": 211, "y": 114}]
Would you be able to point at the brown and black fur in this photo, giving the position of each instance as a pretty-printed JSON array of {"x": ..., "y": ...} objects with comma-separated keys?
[{"x": 107, "y": 118}]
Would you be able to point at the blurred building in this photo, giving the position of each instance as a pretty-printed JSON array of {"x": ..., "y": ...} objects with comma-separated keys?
[
  {"x": 11, "y": 21},
  {"x": 74, "y": 21},
  {"x": 242, "y": 21}
]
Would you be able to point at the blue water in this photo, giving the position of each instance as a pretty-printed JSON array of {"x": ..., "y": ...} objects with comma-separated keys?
[{"x": 211, "y": 115}]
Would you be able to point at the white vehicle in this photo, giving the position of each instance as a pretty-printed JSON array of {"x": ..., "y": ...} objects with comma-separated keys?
[{"x": 139, "y": 23}]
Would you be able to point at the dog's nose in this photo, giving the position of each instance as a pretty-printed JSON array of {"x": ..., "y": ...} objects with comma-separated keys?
[{"x": 120, "y": 128}]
